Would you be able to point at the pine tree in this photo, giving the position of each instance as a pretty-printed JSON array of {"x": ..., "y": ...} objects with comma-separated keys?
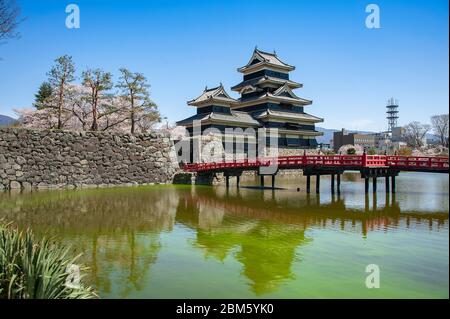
[
  {"x": 142, "y": 111},
  {"x": 60, "y": 76},
  {"x": 98, "y": 83},
  {"x": 42, "y": 96}
]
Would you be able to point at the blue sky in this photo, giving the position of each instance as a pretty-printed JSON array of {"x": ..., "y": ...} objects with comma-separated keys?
[{"x": 348, "y": 71}]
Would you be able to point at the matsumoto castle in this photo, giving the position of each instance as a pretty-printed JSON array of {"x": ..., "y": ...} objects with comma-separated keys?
[{"x": 266, "y": 101}]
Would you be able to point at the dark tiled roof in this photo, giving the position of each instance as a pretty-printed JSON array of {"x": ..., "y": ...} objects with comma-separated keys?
[
  {"x": 288, "y": 114},
  {"x": 268, "y": 95},
  {"x": 271, "y": 58},
  {"x": 266, "y": 58},
  {"x": 234, "y": 117},
  {"x": 263, "y": 79},
  {"x": 217, "y": 93}
]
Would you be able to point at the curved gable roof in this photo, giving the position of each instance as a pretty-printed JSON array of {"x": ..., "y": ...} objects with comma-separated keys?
[
  {"x": 267, "y": 58},
  {"x": 285, "y": 90},
  {"x": 210, "y": 95}
]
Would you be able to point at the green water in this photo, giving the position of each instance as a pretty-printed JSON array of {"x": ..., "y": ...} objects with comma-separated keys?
[{"x": 205, "y": 242}]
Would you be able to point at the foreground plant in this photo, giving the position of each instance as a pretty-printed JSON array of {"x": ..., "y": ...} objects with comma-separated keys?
[{"x": 32, "y": 268}]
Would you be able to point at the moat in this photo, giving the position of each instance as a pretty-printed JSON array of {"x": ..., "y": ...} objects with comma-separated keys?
[{"x": 207, "y": 242}]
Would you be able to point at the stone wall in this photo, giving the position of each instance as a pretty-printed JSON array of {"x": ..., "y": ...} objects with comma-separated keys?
[{"x": 61, "y": 159}]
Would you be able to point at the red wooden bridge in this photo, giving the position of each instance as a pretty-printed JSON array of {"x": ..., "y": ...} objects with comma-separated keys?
[
  {"x": 348, "y": 162},
  {"x": 370, "y": 166}
]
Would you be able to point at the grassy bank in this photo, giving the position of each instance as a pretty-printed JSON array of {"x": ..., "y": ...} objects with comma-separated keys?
[{"x": 32, "y": 268}]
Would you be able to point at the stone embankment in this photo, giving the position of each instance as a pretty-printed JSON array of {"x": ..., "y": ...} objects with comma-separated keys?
[{"x": 62, "y": 159}]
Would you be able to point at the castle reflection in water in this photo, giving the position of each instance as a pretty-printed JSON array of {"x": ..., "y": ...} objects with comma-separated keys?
[{"x": 119, "y": 230}]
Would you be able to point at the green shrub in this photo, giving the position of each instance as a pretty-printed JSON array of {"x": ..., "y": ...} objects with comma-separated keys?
[
  {"x": 351, "y": 151},
  {"x": 371, "y": 151},
  {"x": 35, "y": 269}
]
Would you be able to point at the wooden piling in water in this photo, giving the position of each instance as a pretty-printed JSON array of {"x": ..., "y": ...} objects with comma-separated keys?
[
  {"x": 393, "y": 184},
  {"x": 317, "y": 183},
  {"x": 339, "y": 183},
  {"x": 366, "y": 202},
  {"x": 332, "y": 183},
  {"x": 374, "y": 200},
  {"x": 308, "y": 184}
]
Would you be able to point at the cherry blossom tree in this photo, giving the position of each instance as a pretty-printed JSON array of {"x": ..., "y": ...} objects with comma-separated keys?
[{"x": 91, "y": 105}]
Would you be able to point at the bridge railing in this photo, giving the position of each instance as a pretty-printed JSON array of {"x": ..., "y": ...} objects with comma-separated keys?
[
  {"x": 401, "y": 162},
  {"x": 319, "y": 160},
  {"x": 374, "y": 160},
  {"x": 419, "y": 162}
]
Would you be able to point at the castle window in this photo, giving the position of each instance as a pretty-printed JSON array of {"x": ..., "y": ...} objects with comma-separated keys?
[
  {"x": 292, "y": 140},
  {"x": 285, "y": 106}
]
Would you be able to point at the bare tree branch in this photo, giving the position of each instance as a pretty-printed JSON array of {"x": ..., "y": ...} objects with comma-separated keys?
[
  {"x": 440, "y": 128},
  {"x": 415, "y": 133},
  {"x": 9, "y": 19}
]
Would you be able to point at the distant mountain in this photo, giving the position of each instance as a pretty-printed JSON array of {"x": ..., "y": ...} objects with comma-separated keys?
[
  {"x": 6, "y": 120},
  {"x": 432, "y": 138},
  {"x": 327, "y": 135}
]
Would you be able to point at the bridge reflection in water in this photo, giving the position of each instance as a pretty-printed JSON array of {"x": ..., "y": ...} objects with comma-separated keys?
[{"x": 127, "y": 235}]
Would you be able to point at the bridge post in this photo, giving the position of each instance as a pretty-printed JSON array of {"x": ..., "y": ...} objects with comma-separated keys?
[
  {"x": 273, "y": 181},
  {"x": 374, "y": 199},
  {"x": 318, "y": 184},
  {"x": 393, "y": 184},
  {"x": 387, "y": 183},
  {"x": 366, "y": 185},
  {"x": 387, "y": 200},
  {"x": 339, "y": 183},
  {"x": 364, "y": 159},
  {"x": 227, "y": 181},
  {"x": 374, "y": 184},
  {"x": 332, "y": 183},
  {"x": 238, "y": 181},
  {"x": 308, "y": 184},
  {"x": 262, "y": 181}
]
